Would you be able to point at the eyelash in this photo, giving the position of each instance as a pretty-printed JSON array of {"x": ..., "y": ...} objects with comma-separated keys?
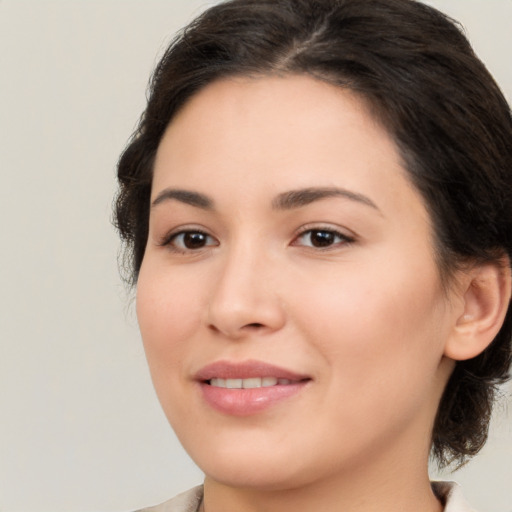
[
  {"x": 169, "y": 241},
  {"x": 343, "y": 239}
]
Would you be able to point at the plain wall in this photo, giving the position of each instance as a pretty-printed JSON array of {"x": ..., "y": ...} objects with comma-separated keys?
[{"x": 80, "y": 427}]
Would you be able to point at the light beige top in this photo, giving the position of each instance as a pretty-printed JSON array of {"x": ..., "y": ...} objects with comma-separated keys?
[
  {"x": 448, "y": 492},
  {"x": 188, "y": 501}
]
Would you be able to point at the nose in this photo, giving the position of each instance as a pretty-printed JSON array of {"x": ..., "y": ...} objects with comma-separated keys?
[{"x": 245, "y": 300}]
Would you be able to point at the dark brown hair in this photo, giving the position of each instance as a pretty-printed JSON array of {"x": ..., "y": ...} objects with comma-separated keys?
[{"x": 418, "y": 73}]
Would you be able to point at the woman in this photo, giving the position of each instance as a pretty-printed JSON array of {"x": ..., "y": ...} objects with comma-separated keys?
[{"x": 318, "y": 209}]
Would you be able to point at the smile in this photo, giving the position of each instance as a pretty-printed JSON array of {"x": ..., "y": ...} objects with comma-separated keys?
[
  {"x": 251, "y": 383},
  {"x": 249, "y": 387}
]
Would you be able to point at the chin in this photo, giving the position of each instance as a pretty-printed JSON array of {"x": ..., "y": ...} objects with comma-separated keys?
[
  {"x": 247, "y": 476},
  {"x": 255, "y": 468},
  {"x": 264, "y": 468}
]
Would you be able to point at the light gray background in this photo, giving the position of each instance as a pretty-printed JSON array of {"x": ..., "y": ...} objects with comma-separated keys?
[{"x": 80, "y": 428}]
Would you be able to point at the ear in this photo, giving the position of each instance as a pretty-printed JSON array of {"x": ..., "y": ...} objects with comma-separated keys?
[{"x": 485, "y": 292}]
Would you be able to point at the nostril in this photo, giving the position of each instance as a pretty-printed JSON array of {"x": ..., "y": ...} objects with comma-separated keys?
[{"x": 254, "y": 326}]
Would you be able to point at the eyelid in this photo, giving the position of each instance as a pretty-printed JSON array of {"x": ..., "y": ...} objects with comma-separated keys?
[
  {"x": 167, "y": 239},
  {"x": 347, "y": 236}
]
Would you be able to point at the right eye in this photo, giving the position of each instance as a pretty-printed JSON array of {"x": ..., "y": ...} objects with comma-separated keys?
[{"x": 190, "y": 240}]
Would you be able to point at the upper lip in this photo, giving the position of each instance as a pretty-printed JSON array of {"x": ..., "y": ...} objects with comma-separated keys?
[{"x": 246, "y": 370}]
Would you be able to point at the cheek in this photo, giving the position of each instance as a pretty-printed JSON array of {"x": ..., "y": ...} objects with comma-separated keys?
[
  {"x": 369, "y": 322},
  {"x": 168, "y": 314},
  {"x": 381, "y": 346}
]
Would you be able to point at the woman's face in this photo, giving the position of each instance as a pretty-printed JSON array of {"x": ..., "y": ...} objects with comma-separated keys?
[{"x": 290, "y": 259}]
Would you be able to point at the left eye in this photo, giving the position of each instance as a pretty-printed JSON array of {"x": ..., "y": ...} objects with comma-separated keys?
[
  {"x": 191, "y": 240},
  {"x": 321, "y": 238}
]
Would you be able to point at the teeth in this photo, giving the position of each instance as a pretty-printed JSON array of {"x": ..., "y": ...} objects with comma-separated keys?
[
  {"x": 251, "y": 383},
  {"x": 254, "y": 382},
  {"x": 268, "y": 381},
  {"x": 234, "y": 383}
]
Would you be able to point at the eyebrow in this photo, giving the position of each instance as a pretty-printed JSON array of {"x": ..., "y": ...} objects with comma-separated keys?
[
  {"x": 284, "y": 201},
  {"x": 184, "y": 196},
  {"x": 305, "y": 196}
]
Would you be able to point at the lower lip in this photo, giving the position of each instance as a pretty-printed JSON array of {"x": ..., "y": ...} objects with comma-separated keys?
[{"x": 244, "y": 402}]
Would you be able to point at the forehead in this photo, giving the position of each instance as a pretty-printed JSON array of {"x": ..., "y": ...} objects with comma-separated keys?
[{"x": 267, "y": 104}]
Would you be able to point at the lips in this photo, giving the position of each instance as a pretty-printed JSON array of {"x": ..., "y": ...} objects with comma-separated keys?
[
  {"x": 247, "y": 388},
  {"x": 246, "y": 370}
]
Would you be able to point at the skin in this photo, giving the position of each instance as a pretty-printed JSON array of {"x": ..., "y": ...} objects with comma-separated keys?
[{"x": 366, "y": 318}]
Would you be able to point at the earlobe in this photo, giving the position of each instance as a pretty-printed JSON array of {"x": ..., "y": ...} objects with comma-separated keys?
[{"x": 486, "y": 292}]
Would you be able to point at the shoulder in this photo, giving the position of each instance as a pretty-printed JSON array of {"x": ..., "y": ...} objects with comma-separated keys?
[
  {"x": 187, "y": 501},
  {"x": 450, "y": 494}
]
